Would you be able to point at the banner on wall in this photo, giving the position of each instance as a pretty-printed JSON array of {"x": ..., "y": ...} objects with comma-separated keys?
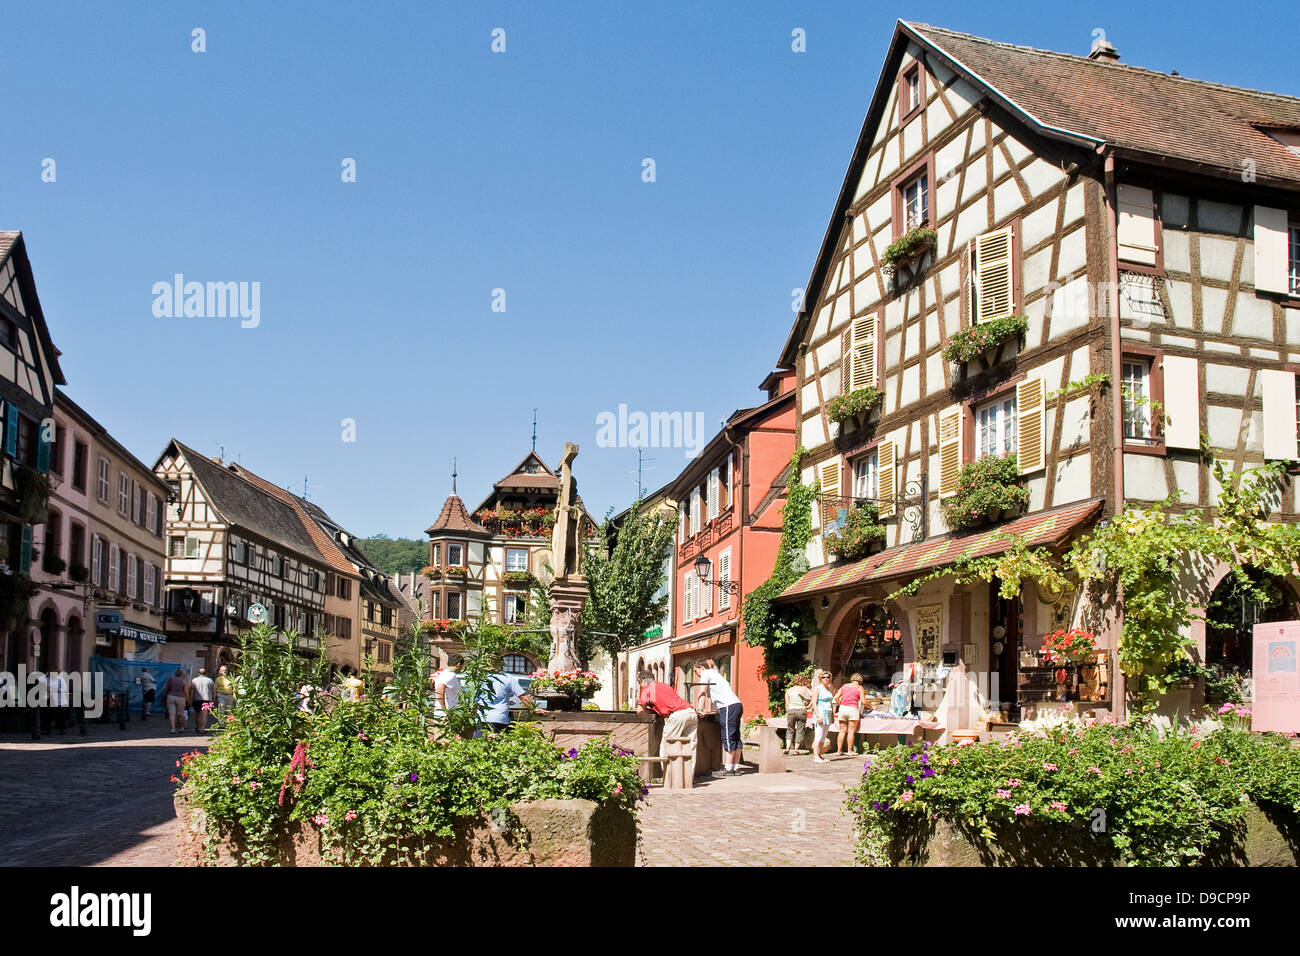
[
  {"x": 929, "y": 633},
  {"x": 1276, "y": 676}
]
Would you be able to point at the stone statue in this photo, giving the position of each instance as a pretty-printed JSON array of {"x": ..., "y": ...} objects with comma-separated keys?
[{"x": 566, "y": 538}]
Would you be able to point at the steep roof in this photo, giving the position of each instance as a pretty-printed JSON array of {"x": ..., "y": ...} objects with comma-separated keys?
[
  {"x": 455, "y": 518},
  {"x": 333, "y": 555},
  {"x": 1195, "y": 125},
  {"x": 1129, "y": 107},
  {"x": 249, "y": 506},
  {"x": 13, "y": 244},
  {"x": 519, "y": 478}
]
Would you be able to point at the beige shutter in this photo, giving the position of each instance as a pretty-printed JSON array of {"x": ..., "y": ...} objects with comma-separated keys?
[
  {"x": 886, "y": 466},
  {"x": 1030, "y": 440},
  {"x": 1280, "y": 413},
  {"x": 951, "y": 426},
  {"x": 1136, "y": 224},
  {"x": 828, "y": 473},
  {"x": 863, "y": 353},
  {"x": 1182, "y": 403},
  {"x": 994, "y": 294},
  {"x": 724, "y": 579},
  {"x": 846, "y": 361},
  {"x": 1270, "y": 250}
]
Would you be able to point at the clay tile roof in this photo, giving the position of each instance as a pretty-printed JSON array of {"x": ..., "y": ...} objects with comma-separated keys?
[
  {"x": 323, "y": 542},
  {"x": 1051, "y": 528},
  {"x": 7, "y": 238},
  {"x": 1132, "y": 108},
  {"x": 454, "y": 517},
  {"x": 541, "y": 480}
]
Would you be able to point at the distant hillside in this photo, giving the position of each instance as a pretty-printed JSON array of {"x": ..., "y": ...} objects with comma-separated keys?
[{"x": 394, "y": 555}]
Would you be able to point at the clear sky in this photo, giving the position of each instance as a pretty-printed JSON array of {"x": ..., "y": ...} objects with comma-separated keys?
[{"x": 475, "y": 171}]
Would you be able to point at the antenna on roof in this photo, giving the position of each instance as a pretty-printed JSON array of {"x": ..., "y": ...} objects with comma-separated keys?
[
  {"x": 640, "y": 466},
  {"x": 534, "y": 429},
  {"x": 305, "y": 496},
  {"x": 453, "y": 476}
]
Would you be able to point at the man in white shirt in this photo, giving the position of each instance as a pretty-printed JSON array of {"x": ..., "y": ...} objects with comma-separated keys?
[
  {"x": 729, "y": 712},
  {"x": 446, "y": 686},
  {"x": 204, "y": 693}
]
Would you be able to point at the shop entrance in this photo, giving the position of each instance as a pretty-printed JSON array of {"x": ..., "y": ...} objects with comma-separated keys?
[
  {"x": 1004, "y": 650},
  {"x": 869, "y": 643}
]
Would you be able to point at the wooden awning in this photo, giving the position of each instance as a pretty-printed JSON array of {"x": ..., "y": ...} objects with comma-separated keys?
[{"x": 1045, "y": 528}]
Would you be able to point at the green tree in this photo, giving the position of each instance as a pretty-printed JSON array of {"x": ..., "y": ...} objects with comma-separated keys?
[
  {"x": 625, "y": 582},
  {"x": 395, "y": 555}
]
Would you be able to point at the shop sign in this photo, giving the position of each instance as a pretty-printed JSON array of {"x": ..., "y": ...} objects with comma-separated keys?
[
  {"x": 929, "y": 633},
  {"x": 1276, "y": 674}
]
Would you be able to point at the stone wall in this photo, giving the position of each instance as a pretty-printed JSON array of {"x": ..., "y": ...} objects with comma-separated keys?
[{"x": 556, "y": 833}]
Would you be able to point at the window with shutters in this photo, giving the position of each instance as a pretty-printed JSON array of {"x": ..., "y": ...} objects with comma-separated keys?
[
  {"x": 1293, "y": 258},
  {"x": 828, "y": 475},
  {"x": 695, "y": 511},
  {"x": 1141, "y": 394},
  {"x": 101, "y": 480},
  {"x": 724, "y": 579},
  {"x": 149, "y": 579},
  {"x": 131, "y": 576},
  {"x": 1030, "y": 439},
  {"x": 151, "y": 520},
  {"x": 123, "y": 494},
  {"x": 192, "y": 546},
  {"x": 688, "y": 597},
  {"x": 995, "y": 428},
  {"x": 866, "y": 476},
  {"x": 1138, "y": 228},
  {"x": 711, "y": 492},
  {"x": 114, "y": 568},
  {"x": 993, "y": 270},
  {"x": 860, "y": 362},
  {"x": 724, "y": 484}
]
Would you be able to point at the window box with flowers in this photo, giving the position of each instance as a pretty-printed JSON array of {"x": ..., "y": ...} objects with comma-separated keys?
[
  {"x": 453, "y": 572},
  {"x": 853, "y": 405},
  {"x": 988, "y": 490},
  {"x": 431, "y": 571},
  {"x": 862, "y": 533},
  {"x": 517, "y": 577},
  {"x": 1069, "y": 646},
  {"x": 983, "y": 337},
  {"x": 908, "y": 248}
]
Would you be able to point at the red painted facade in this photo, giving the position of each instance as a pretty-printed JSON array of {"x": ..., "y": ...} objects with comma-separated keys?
[{"x": 730, "y": 500}]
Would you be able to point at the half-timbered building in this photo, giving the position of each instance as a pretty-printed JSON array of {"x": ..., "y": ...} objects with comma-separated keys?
[{"x": 1116, "y": 251}]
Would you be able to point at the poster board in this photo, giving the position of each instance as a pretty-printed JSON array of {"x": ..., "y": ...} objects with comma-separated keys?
[
  {"x": 929, "y": 633},
  {"x": 1276, "y": 674}
]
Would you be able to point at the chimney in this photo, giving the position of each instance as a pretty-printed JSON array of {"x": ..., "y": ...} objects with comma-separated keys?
[{"x": 1102, "y": 50}]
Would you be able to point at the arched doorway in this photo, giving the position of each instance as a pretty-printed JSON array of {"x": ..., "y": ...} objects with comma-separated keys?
[
  {"x": 49, "y": 632},
  {"x": 1235, "y": 608},
  {"x": 868, "y": 642}
]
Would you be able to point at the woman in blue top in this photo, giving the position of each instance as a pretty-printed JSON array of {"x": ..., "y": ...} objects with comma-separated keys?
[{"x": 822, "y": 704}]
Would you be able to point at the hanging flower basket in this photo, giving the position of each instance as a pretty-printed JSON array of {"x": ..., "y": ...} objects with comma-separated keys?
[
  {"x": 988, "y": 490},
  {"x": 853, "y": 405},
  {"x": 967, "y": 343},
  {"x": 908, "y": 247}
]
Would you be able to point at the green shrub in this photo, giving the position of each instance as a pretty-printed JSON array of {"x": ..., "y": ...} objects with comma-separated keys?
[
  {"x": 967, "y": 343},
  {"x": 985, "y": 488},
  {"x": 862, "y": 530}
]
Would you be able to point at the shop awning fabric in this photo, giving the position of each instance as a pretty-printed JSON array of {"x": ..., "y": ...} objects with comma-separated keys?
[{"x": 1050, "y": 528}]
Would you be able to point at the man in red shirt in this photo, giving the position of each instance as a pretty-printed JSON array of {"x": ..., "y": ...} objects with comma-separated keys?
[{"x": 680, "y": 719}]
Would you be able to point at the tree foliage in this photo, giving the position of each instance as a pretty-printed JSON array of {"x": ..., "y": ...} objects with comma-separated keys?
[
  {"x": 625, "y": 582},
  {"x": 395, "y": 555}
]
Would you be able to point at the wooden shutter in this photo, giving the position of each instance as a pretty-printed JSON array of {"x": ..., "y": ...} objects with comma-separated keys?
[
  {"x": 713, "y": 494},
  {"x": 828, "y": 474},
  {"x": 695, "y": 510},
  {"x": 1136, "y": 225},
  {"x": 951, "y": 428},
  {"x": 688, "y": 596},
  {"x": 1030, "y": 440},
  {"x": 1182, "y": 402},
  {"x": 846, "y": 361},
  {"x": 886, "y": 486},
  {"x": 11, "y": 430},
  {"x": 1280, "y": 439},
  {"x": 992, "y": 275},
  {"x": 724, "y": 579},
  {"x": 862, "y": 361},
  {"x": 96, "y": 567},
  {"x": 1271, "y": 250},
  {"x": 42, "y": 452}
]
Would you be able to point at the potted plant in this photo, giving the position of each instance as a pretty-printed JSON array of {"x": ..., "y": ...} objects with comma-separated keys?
[
  {"x": 53, "y": 564},
  {"x": 518, "y": 577},
  {"x": 853, "y": 405},
  {"x": 974, "y": 340},
  {"x": 1074, "y": 645},
  {"x": 433, "y": 572},
  {"x": 79, "y": 573},
  {"x": 908, "y": 247},
  {"x": 862, "y": 531},
  {"x": 564, "y": 690},
  {"x": 988, "y": 489}
]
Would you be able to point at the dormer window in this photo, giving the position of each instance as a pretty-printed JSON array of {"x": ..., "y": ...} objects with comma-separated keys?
[{"x": 911, "y": 92}]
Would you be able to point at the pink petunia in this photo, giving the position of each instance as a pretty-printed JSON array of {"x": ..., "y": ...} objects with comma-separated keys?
[
  {"x": 1096, "y": 770},
  {"x": 905, "y": 796},
  {"x": 350, "y": 816},
  {"x": 1004, "y": 794},
  {"x": 1058, "y": 806},
  {"x": 320, "y": 819},
  {"x": 1049, "y": 766},
  {"x": 1022, "y": 810}
]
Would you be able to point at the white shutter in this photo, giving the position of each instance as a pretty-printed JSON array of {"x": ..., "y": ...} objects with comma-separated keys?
[
  {"x": 724, "y": 579},
  {"x": 96, "y": 561},
  {"x": 1182, "y": 403},
  {"x": 114, "y": 568},
  {"x": 695, "y": 510},
  {"x": 862, "y": 351},
  {"x": 992, "y": 276},
  {"x": 149, "y": 584},
  {"x": 1136, "y": 225},
  {"x": 713, "y": 494},
  {"x": 688, "y": 596},
  {"x": 681, "y": 524},
  {"x": 706, "y": 593},
  {"x": 131, "y": 575},
  {"x": 951, "y": 426},
  {"x": 1271, "y": 250},
  {"x": 727, "y": 468},
  {"x": 828, "y": 473},
  {"x": 1280, "y": 413},
  {"x": 1030, "y": 439},
  {"x": 886, "y": 466}
]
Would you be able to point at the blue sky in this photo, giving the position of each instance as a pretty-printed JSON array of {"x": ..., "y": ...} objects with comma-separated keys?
[{"x": 476, "y": 171}]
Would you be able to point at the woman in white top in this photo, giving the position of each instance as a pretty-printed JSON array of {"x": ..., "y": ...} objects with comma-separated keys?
[{"x": 729, "y": 713}]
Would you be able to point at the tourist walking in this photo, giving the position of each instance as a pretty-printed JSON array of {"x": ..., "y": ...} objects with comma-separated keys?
[
  {"x": 176, "y": 697},
  {"x": 446, "y": 686},
  {"x": 148, "y": 687},
  {"x": 499, "y": 689},
  {"x": 823, "y": 703},
  {"x": 798, "y": 697},
  {"x": 225, "y": 688},
  {"x": 849, "y": 701},
  {"x": 204, "y": 690},
  {"x": 681, "y": 722},
  {"x": 729, "y": 714}
]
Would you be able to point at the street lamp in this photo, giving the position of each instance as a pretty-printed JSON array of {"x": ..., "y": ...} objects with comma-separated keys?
[{"x": 702, "y": 568}]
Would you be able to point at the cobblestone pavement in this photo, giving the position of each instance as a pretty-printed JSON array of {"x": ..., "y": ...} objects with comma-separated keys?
[
  {"x": 791, "y": 819},
  {"x": 100, "y": 800}
]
